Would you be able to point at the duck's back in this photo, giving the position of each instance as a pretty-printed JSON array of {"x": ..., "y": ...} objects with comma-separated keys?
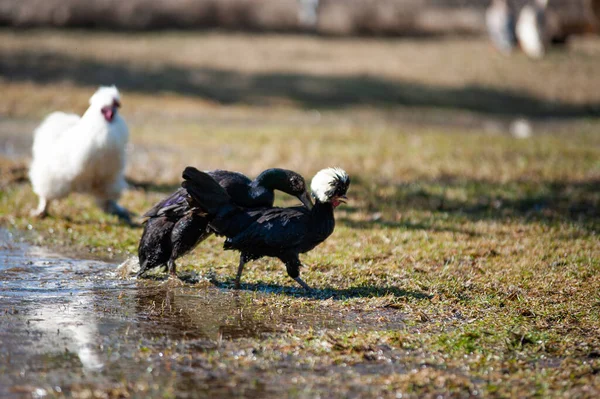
[
  {"x": 241, "y": 189},
  {"x": 235, "y": 184},
  {"x": 273, "y": 231},
  {"x": 266, "y": 231},
  {"x": 173, "y": 206}
]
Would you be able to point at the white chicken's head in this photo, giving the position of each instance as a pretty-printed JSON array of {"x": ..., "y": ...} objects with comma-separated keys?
[
  {"x": 106, "y": 99},
  {"x": 330, "y": 185}
]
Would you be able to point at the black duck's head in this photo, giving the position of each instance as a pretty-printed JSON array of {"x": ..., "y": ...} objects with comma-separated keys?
[
  {"x": 330, "y": 185},
  {"x": 287, "y": 181}
]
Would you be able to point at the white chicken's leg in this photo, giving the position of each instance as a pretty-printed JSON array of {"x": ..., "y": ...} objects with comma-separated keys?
[
  {"x": 42, "y": 209},
  {"x": 111, "y": 206}
]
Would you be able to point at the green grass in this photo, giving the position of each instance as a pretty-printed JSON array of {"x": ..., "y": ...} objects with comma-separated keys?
[
  {"x": 495, "y": 273},
  {"x": 484, "y": 246}
]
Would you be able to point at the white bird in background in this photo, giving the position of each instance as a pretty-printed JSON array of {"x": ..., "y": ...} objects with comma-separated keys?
[
  {"x": 82, "y": 154},
  {"x": 500, "y": 22},
  {"x": 531, "y": 29},
  {"x": 308, "y": 13}
]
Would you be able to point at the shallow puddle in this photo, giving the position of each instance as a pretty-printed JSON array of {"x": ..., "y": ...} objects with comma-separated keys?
[{"x": 68, "y": 324}]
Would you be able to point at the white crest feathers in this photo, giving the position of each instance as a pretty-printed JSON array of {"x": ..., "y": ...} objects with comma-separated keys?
[
  {"x": 324, "y": 182},
  {"x": 105, "y": 95}
]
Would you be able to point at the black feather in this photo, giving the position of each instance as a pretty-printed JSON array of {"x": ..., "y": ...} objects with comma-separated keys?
[
  {"x": 176, "y": 224},
  {"x": 205, "y": 190},
  {"x": 276, "y": 232}
]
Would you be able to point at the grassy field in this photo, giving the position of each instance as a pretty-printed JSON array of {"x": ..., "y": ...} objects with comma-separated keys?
[{"x": 467, "y": 261}]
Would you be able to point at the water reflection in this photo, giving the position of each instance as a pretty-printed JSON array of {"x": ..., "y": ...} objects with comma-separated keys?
[
  {"x": 73, "y": 324},
  {"x": 52, "y": 296},
  {"x": 205, "y": 314},
  {"x": 76, "y": 332}
]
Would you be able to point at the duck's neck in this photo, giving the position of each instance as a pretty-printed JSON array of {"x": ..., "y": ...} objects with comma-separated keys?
[
  {"x": 267, "y": 179},
  {"x": 322, "y": 209},
  {"x": 264, "y": 196},
  {"x": 263, "y": 186},
  {"x": 323, "y": 221}
]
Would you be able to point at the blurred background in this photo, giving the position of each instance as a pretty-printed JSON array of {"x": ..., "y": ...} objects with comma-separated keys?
[
  {"x": 210, "y": 71},
  {"x": 326, "y": 17}
]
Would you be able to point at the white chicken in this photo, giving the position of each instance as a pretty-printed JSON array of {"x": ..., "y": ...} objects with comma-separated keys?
[
  {"x": 82, "y": 154},
  {"x": 500, "y": 22},
  {"x": 531, "y": 29}
]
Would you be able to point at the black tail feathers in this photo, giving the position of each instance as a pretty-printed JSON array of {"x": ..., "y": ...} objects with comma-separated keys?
[{"x": 204, "y": 190}]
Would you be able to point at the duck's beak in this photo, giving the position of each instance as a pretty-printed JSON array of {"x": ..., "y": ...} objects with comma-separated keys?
[
  {"x": 342, "y": 198},
  {"x": 337, "y": 200},
  {"x": 305, "y": 199}
]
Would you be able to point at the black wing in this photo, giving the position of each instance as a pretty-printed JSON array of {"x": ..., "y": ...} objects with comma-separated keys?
[
  {"x": 226, "y": 178},
  {"x": 273, "y": 228},
  {"x": 237, "y": 186},
  {"x": 175, "y": 205}
]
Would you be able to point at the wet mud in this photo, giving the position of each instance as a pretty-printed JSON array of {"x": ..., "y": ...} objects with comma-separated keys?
[{"x": 71, "y": 327}]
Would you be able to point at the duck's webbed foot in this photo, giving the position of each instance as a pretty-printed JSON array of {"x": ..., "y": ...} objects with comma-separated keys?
[
  {"x": 238, "y": 276},
  {"x": 292, "y": 265},
  {"x": 303, "y": 284},
  {"x": 148, "y": 272},
  {"x": 172, "y": 282},
  {"x": 172, "y": 267}
]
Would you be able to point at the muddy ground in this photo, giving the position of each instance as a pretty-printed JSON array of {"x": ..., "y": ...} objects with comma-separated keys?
[{"x": 73, "y": 327}]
